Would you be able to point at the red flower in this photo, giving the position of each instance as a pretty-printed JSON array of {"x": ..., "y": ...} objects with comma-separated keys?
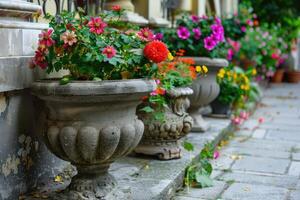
[
  {"x": 156, "y": 51},
  {"x": 40, "y": 60},
  {"x": 116, "y": 8},
  {"x": 45, "y": 38},
  {"x": 109, "y": 51},
  {"x": 97, "y": 25}
]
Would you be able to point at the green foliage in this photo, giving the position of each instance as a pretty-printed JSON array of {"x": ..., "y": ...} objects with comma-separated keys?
[{"x": 198, "y": 173}]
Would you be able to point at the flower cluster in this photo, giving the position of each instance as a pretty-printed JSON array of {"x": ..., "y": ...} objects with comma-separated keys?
[
  {"x": 235, "y": 84},
  {"x": 175, "y": 72},
  {"x": 92, "y": 48},
  {"x": 197, "y": 36}
]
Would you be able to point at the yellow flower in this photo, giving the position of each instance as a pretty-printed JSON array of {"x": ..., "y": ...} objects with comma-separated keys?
[
  {"x": 220, "y": 75},
  {"x": 198, "y": 69},
  {"x": 170, "y": 57},
  {"x": 222, "y": 71},
  {"x": 228, "y": 73},
  {"x": 254, "y": 72},
  {"x": 242, "y": 87},
  {"x": 234, "y": 76},
  {"x": 204, "y": 68}
]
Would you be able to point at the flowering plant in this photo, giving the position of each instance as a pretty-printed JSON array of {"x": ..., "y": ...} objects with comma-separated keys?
[
  {"x": 198, "y": 36},
  {"x": 261, "y": 47},
  {"x": 234, "y": 84},
  {"x": 92, "y": 48},
  {"x": 176, "y": 72}
]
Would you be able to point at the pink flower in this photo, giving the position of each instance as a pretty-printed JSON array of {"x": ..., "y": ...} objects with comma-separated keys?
[
  {"x": 197, "y": 33},
  {"x": 69, "y": 37},
  {"x": 216, "y": 155},
  {"x": 230, "y": 54},
  {"x": 244, "y": 115},
  {"x": 235, "y": 44},
  {"x": 275, "y": 56},
  {"x": 146, "y": 34},
  {"x": 195, "y": 18},
  {"x": 249, "y": 22},
  {"x": 116, "y": 8},
  {"x": 183, "y": 33},
  {"x": 243, "y": 29},
  {"x": 261, "y": 120},
  {"x": 109, "y": 51},
  {"x": 237, "y": 121},
  {"x": 45, "y": 38},
  {"x": 209, "y": 43},
  {"x": 218, "y": 21},
  {"x": 97, "y": 25},
  {"x": 158, "y": 36}
]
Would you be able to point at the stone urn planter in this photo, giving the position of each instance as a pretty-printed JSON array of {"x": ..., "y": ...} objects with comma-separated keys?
[
  {"x": 220, "y": 109},
  {"x": 161, "y": 138},
  {"x": 91, "y": 124},
  {"x": 206, "y": 89}
]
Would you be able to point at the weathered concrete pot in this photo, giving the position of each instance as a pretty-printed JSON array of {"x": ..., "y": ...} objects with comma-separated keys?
[
  {"x": 91, "y": 124},
  {"x": 206, "y": 89},
  {"x": 160, "y": 138}
]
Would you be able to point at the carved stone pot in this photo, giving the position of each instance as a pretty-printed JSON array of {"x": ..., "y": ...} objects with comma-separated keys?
[
  {"x": 206, "y": 89},
  {"x": 160, "y": 138},
  {"x": 91, "y": 124}
]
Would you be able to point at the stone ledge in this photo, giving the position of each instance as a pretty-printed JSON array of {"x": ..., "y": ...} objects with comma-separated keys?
[{"x": 153, "y": 179}]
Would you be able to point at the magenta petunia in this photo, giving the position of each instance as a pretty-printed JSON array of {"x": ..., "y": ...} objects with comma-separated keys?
[
  {"x": 209, "y": 43},
  {"x": 195, "y": 18},
  {"x": 197, "y": 33},
  {"x": 183, "y": 33}
]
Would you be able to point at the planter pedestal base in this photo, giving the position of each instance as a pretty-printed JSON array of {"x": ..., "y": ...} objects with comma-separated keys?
[
  {"x": 167, "y": 151},
  {"x": 200, "y": 125}
]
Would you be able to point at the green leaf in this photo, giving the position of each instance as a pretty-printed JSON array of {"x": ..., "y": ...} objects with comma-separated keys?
[
  {"x": 64, "y": 81},
  {"x": 188, "y": 146},
  {"x": 147, "y": 109},
  {"x": 203, "y": 180},
  {"x": 97, "y": 79}
]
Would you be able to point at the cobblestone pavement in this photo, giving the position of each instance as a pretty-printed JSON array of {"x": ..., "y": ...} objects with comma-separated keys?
[{"x": 261, "y": 161}]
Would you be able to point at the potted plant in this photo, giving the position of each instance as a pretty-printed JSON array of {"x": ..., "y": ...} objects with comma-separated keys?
[
  {"x": 202, "y": 39},
  {"x": 91, "y": 113},
  {"x": 293, "y": 73},
  {"x": 164, "y": 111},
  {"x": 234, "y": 85}
]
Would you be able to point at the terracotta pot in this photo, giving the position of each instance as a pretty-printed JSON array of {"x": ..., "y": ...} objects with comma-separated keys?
[
  {"x": 246, "y": 63},
  {"x": 278, "y": 76},
  {"x": 293, "y": 76},
  {"x": 91, "y": 124},
  {"x": 206, "y": 89},
  {"x": 161, "y": 138}
]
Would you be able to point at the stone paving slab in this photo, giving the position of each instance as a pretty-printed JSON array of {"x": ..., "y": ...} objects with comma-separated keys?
[
  {"x": 253, "y": 143},
  {"x": 210, "y": 193},
  {"x": 243, "y": 191},
  {"x": 256, "y": 152},
  {"x": 283, "y": 135},
  {"x": 294, "y": 169},
  {"x": 264, "y": 165},
  {"x": 289, "y": 182}
]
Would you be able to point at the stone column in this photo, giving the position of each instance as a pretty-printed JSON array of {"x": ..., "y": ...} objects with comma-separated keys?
[
  {"x": 201, "y": 7},
  {"x": 24, "y": 161},
  {"x": 130, "y": 15},
  {"x": 155, "y": 14}
]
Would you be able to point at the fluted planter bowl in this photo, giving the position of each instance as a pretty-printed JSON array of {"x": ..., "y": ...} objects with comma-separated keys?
[
  {"x": 206, "y": 89},
  {"x": 161, "y": 138},
  {"x": 91, "y": 124}
]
